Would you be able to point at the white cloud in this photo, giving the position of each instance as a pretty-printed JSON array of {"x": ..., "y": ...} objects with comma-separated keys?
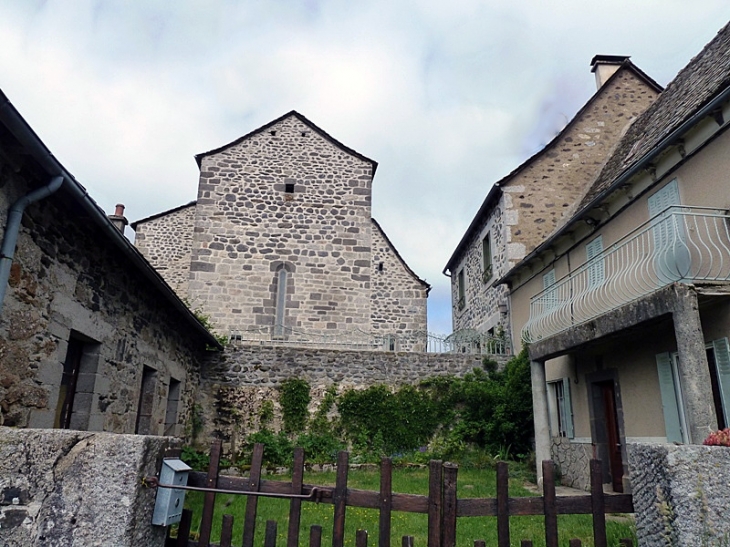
[{"x": 447, "y": 96}]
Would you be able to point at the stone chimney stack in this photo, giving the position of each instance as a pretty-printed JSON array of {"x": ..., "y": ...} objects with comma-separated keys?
[
  {"x": 605, "y": 66},
  {"x": 118, "y": 218}
]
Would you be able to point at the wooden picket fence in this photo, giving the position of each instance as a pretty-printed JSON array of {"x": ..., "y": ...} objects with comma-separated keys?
[{"x": 441, "y": 505}]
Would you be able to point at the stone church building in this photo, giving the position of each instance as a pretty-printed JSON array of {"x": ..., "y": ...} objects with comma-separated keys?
[{"x": 280, "y": 245}]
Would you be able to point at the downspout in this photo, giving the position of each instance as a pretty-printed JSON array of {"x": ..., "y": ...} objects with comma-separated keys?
[{"x": 10, "y": 239}]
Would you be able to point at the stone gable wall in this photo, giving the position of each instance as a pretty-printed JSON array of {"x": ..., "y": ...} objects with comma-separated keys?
[
  {"x": 68, "y": 281},
  {"x": 167, "y": 243},
  {"x": 546, "y": 192},
  {"x": 247, "y": 227},
  {"x": 539, "y": 198},
  {"x": 398, "y": 300}
]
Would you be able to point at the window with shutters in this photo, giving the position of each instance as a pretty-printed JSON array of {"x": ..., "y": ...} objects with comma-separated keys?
[
  {"x": 561, "y": 409},
  {"x": 596, "y": 271},
  {"x": 671, "y": 254},
  {"x": 671, "y": 393},
  {"x": 550, "y": 297}
]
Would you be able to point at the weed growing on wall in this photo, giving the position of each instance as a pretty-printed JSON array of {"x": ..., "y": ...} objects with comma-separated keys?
[{"x": 294, "y": 398}]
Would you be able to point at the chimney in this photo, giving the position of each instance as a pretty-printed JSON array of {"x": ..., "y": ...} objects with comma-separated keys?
[
  {"x": 118, "y": 218},
  {"x": 605, "y": 66}
]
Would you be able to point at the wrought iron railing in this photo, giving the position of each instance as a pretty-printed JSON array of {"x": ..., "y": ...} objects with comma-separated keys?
[
  {"x": 681, "y": 244},
  {"x": 465, "y": 341}
]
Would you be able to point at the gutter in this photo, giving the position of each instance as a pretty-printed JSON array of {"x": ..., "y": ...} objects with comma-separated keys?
[
  {"x": 10, "y": 237},
  {"x": 665, "y": 143},
  {"x": 20, "y": 129}
]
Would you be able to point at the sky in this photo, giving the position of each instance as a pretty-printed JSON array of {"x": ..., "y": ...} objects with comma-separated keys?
[{"x": 447, "y": 97}]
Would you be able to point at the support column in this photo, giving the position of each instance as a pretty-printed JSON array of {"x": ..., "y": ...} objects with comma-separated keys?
[
  {"x": 694, "y": 373},
  {"x": 540, "y": 414}
]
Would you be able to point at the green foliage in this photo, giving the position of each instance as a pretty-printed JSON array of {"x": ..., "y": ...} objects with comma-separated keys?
[
  {"x": 195, "y": 422},
  {"x": 320, "y": 447},
  {"x": 278, "y": 448},
  {"x": 380, "y": 421},
  {"x": 205, "y": 320},
  {"x": 194, "y": 458},
  {"x": 266, "y": 413},
  {"x": 294, "y": 399}
]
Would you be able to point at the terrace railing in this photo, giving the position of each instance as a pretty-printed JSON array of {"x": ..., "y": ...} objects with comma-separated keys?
[
  {"x": 465, "y": 341},
  {"x": 680, "y": 244}
]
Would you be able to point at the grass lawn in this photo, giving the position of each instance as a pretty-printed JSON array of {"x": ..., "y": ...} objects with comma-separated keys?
[{"x": 472, "y": 483}]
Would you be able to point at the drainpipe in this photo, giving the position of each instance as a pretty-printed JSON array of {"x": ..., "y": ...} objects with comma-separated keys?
[{"x": 10, "y": 239}]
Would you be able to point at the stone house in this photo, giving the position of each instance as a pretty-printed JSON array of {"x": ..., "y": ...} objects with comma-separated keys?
[
  {"x": 627, "y": 304},
  {"x": 280, "y": 245},
  {"x": 91, "y": 337},
  {"x": 525, "y": 206}
]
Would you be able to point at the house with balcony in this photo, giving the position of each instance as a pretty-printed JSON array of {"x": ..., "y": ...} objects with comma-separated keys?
[
  {"x": 627, "y": 305},
  {"x": 524, "y": 207}
]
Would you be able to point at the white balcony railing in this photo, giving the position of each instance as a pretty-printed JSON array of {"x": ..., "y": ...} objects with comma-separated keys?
[{"x": 681, "y": 244}]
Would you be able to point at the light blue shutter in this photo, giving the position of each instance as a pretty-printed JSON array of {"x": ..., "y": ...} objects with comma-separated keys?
[
  {"x": 722, "y": 362},
  {"x": 550, "y": 297},
  {"x": 596, "y": 272},
  {"x": 569, "y": 432},
  {"x": 669, "y": 398},
  {"x": 672, "y": 260}
]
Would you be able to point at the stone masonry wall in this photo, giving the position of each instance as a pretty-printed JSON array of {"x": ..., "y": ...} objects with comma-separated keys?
[
  {"x": 573, "y": 461},
  {"x": 398, "y": 299},
  {"x": 544, "y": 192},
  {"x": 67, "y": 282},
  {"x": 680, "y": 494},
  {"x": 481, "y": 302},
  {"x": 60, "y": 488},
  {"x": 244, "y": 376},
  {"x": 166, "y": 241},
  {"x": 248, "y": 227}
]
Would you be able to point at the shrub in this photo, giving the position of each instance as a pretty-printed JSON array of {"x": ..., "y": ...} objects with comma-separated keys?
[{"x": 278, "y": 449}]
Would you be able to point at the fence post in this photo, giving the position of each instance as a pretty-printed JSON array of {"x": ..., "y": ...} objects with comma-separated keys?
[
  {"x": 448, "y": 526},
  {"x": 211, "y": 481},
  {"x": 249, "y": 522},
  {"x": 551, "y": 510},
  {"x": 435, "y": 474},
  {"x": 340, "y": 500},
  {"x": 598, "y": 504},
  {"x": 295, "y": 506},
  {"x": 386, "y": 500}
]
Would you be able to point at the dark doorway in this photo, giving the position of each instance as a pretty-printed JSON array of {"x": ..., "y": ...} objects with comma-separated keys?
[
  {"x": 716, "y": 395},
  {"x": 607, "y": 432},
  {"x": 69, "y": 379}
]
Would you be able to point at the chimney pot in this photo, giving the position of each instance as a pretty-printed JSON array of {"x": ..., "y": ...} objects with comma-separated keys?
[
  {"x": 118, "y": 218},
  {"x": 119, "y": 211}
]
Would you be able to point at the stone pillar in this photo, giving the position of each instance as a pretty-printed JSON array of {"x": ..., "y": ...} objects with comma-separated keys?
[
  {"x": 694, "y": 372},
  {"x": 540, "y": 413},
  {"x": 63, "y": 487}
]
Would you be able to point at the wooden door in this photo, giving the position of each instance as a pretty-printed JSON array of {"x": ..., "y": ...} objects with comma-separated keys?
[{"x": 613, "y": 436}]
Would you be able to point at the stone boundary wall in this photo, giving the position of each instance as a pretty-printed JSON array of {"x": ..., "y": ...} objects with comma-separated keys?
[
  {"x": 681, "y": 494},
  {"x": 573, "y": 461},
  {"x": 236, "y": 382},
  {"x": 61, "y": 487}
]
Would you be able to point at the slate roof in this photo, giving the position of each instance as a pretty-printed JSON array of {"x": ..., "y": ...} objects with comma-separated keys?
[
  {"x": 495, "y": 192},
  {"x": 305, "y": 121},
  {"x": 134, "y": 224},
  {"x": 704, "y": 77}
]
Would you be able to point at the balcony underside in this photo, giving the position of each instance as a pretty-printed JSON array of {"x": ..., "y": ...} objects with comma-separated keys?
[{"x": 643, "y": 310}]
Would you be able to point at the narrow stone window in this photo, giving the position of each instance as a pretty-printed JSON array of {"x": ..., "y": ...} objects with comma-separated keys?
[
  {"x": 173, "y": 400},
  {"x": 146, "y": 401},
  {"x": 390, "y": 342},
  {"x": 380, "y": 267},
  {"x": 289, "y": 188},
  {"x": 461, "y": 290},
  {"x": 272, "y": 133},
  {"x": 280, "y": 302},
  {"x": 486, "y": 259}
]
